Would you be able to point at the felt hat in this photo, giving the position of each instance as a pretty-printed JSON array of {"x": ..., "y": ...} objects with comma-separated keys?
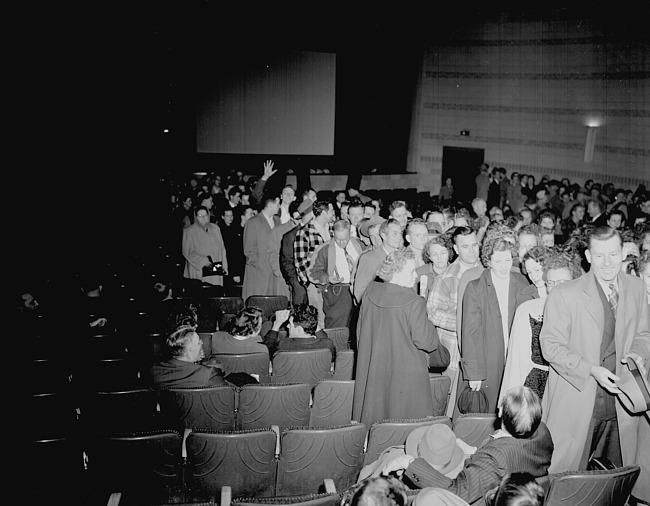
[
  {"x": 305, "y": 207},
  {"x": 470, "y": 401},
  {"x": 370, "y": 222},
  {"x": 635, "y": 389},
  {"x": 435, "y": 443}
]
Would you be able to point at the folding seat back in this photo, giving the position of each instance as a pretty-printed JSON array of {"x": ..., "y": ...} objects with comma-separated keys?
[
  {"x": 332, "y": 403},
  {"x": 268, "y": 303},
  {"x": 146, "y": 465},
  {"x": 340, "y": 336},
  {"x": 440, "y": 386},
  {"x": 208, "y": 408},
  {"x": 243, "y": 460},
  {"x": 595, "y": 488},
  {"x": 128, "y": 410},
  {"x": 394, "y": 432},
  {"x": 302, "y": 366},
  {"x": 261, "y": 406},
  {"x": 308, "y": 456},
  {"x": 57, "y": 468},
  {"x": 474, "y": 428},
  {"x": 53, "y": 415},
  {"x": 50, "y": 375},
  {"x": 251, "y": 363},
  {"x": 344, "y": 365},
  {"x": 108, "y": 374}
]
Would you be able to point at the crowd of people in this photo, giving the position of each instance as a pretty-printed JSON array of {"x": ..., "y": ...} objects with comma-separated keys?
[
  {"x": 509, "y": 290},
  {"x": 534, "y": 298}
]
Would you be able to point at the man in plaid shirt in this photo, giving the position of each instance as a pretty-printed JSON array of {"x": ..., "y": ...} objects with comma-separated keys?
[
  {"x": 443, "y": 301},
  {"x": 308, "y": 238}
]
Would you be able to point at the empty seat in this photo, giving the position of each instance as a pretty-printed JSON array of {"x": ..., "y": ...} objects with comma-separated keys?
[
  {"x": 50, "y": 375},
  {"x": 108, "y": 374},
  {"x": 302, "y": 366},
  {"x": 127, "y": 410},
  {"x": 53, "y": 415},
  {"x": 593, "y": 488},
  {"x": 57, "y": 464},
  {"x": 394, "y": 432},
  {"x": 308, "y": 456},
  {"x": 209, "y": 408},
  {"x": 344, "y": 365},
  {"x": 261, "y": 406},
  {"x": 340, "y": 336},
  {"x": 268, "y": 303},
  {"x": 145, "y": 465},
  {"x": 242, "y": 460},
  {"x": 251, "y": 363},
  {"x": 332, "y": 403},
  {"x": 473, "y": 428},
  {"x": 440, "y": 386}
]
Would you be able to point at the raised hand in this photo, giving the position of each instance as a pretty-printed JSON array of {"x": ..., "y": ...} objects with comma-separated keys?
[{"x": 268, "y": 170}]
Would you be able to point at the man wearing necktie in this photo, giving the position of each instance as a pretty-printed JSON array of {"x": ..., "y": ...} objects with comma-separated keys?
[
  {"x": 592, "y": 325},
  {"x": 332, "y": 268}
]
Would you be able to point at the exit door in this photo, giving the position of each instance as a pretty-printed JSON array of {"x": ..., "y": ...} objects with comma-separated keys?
[{"x": 462, "y": 166}]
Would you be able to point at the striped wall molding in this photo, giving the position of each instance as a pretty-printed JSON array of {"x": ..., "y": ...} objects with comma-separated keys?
[
  {"x": 540, "y": 76},
  {"x": 572, "y": 146},
  {"x": 555, "y": 111},
  {"x": 597, "y": 40}
]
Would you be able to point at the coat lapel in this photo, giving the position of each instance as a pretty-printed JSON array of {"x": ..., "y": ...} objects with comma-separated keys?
[{"x": 593, "y": 305}]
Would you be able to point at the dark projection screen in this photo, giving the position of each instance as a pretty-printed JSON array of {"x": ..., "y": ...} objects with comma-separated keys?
[{"x": 279, "y": 102}]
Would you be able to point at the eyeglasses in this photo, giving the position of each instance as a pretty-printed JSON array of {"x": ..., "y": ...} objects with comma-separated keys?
[
  {"x": 552, "y": 283},
  {"x": 201, "y": 215}
]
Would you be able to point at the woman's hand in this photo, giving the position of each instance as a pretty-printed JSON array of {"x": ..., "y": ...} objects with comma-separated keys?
[{"x": 475, "y": 385}]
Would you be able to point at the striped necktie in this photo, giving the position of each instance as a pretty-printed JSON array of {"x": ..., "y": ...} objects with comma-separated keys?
[{"x": 613, "y": 298}]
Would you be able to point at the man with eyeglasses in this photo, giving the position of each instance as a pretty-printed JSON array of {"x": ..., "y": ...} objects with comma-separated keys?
[
  {"x": 203, "y": 247},
  {"x": 593, "y": 327}
]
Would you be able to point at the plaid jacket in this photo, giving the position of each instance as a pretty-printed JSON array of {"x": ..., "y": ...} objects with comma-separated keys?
[{"x": 306, "y": 242}]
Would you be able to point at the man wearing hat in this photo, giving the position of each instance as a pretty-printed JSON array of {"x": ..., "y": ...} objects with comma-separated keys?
[
  {"x": 436, "y": 443},
  {"x": 594, "y": 326},
  {"x": 523, "y": 444}
]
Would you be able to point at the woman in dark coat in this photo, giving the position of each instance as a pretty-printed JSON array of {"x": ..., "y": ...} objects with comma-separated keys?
[
  {"x": 489, "y": 306},
  {"x": 394, "y": 339}
]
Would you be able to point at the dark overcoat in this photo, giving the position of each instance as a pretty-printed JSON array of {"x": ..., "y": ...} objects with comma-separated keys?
[
  {"x": 394, "y": 337},
  {"x": 483, "y": 347}
]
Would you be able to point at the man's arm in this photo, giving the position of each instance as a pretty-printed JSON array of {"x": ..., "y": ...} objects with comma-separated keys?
[
  {"x": 440, "y": 306},
  {"x": 301, "y": 254},
  {"x": 554, "y": 341},
  {"x": 473, "y": 345},
  {"x": 250, "y": 243},
  {"x": 481, "y": 473},
  {"x": 366, "y": 271}
]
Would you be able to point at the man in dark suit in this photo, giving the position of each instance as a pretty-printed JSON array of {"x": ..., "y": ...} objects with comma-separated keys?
[
  {"x": 182, "y": 370},
  {"x": 595, "y": 210},
  {"x": 523, "y": 444}
]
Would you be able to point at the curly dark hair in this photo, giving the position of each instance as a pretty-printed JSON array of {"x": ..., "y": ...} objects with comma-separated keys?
[
  {"x": 247, "y": 322},
  {"x": 563, "y": 257}
]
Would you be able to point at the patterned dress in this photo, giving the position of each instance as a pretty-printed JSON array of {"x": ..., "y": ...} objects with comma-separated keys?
[{"x": 536, "y": 379}]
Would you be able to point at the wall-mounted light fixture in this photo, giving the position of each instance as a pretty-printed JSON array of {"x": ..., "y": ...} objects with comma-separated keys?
[
  {"x": 590, "y": 143},
  {"x": 592, "y": 122}
]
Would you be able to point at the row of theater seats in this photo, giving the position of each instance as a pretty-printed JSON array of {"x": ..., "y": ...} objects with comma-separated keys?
[
  {"x": 170, "y": 463},
  {"x": 167, "y": 466}
]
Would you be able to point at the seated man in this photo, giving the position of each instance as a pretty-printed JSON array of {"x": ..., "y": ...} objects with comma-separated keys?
[
  {"x": 303, "y": 333},
  {"x": 523, "y": 444},
  {"x": 181, "y": 370}
]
